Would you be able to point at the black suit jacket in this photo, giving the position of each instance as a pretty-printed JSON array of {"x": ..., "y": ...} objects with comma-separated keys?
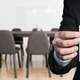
[{"x": 70, "y": 22}]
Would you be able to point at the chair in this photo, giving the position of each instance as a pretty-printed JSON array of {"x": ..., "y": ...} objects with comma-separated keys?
[
  {"x": 37, "y": 45},
  {"x": 34, "y": 29},
  {"x": 7, "y": 47},
  {"x": 19, "y": 41}
]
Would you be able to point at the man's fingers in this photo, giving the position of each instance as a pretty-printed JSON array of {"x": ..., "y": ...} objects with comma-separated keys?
[
  {"x": 67, "y": 34},
  {"x": 66, "y": 51},
  {"x": 66, "y": 43},
  {"x": 70, "y": 56}
]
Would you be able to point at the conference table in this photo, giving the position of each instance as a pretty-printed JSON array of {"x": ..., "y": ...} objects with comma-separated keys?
[{"x": 27, "y": 34}]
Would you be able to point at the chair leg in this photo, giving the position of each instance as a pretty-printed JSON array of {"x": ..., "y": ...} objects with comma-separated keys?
[
  {"x": 49, "y": 71},
  {"x": 22, "y": 52},
  {"x": 61, "y": 75},
  {"x": 46, "y": 60},
  {"x": 6, "y": 60},
  {"x": 19, "y": 60},
  {"x": 27, "y": 66},
  {"x": 15, "y": 74},
  {"x": 0, "y": 60},
  {"x": 31, "y": 59},
  {"x": 10, "y": 60},
  {"x": 47, "y": 65}
]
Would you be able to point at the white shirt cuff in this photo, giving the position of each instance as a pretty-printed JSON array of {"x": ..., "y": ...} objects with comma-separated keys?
[{"x": 61, "y": 62}]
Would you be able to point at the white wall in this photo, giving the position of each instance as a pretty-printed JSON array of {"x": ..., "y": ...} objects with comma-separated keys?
[{"x": 28, "y": 14}]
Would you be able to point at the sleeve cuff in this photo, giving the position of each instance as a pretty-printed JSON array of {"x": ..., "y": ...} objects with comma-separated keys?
[{"x": 61, "y": 62}]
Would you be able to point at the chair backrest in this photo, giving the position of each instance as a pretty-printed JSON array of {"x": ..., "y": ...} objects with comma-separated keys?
[
  {"x": 16, "y": 29},
  {"x": 6, "y": 42},
  {"x": 16, "y": 37},
  {"x": 34, "y": 29},
  {"x": 38, "y": 43}
]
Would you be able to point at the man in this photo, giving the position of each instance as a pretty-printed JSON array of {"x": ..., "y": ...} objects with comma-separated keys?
[{"x": 66, "y": 41}]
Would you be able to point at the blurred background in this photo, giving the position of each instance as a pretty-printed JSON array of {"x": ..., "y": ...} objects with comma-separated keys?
[{"x": 27, "y": 14}]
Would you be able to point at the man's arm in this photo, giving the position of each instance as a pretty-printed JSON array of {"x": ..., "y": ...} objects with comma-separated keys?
[
  {"x": 69, "y": 21},
  {"x": 68, "y": 24},
  {"x": 59, "y": 69}
]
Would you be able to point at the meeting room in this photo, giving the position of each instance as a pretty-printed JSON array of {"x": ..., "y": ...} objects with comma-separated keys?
[{"x": 39, "y": 39}]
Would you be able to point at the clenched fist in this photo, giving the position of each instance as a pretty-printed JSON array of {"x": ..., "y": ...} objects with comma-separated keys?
[{"x": 65, "y": 44}]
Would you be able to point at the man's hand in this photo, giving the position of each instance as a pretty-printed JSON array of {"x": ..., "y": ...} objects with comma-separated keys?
[{"x": 65, "y": 44}]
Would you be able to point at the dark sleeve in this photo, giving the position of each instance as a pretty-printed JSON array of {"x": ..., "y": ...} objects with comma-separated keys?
[
  {"x": 57, "y": 69},
  {"x": 68, "y": 24},
  {"x": 69, "y": 21}
]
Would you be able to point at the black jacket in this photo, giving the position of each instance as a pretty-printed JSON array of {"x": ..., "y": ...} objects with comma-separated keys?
[{"x": 70, "y": 22}]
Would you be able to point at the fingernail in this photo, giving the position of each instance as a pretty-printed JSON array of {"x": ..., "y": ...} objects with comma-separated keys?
[{"x": 76, "y": 53}]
